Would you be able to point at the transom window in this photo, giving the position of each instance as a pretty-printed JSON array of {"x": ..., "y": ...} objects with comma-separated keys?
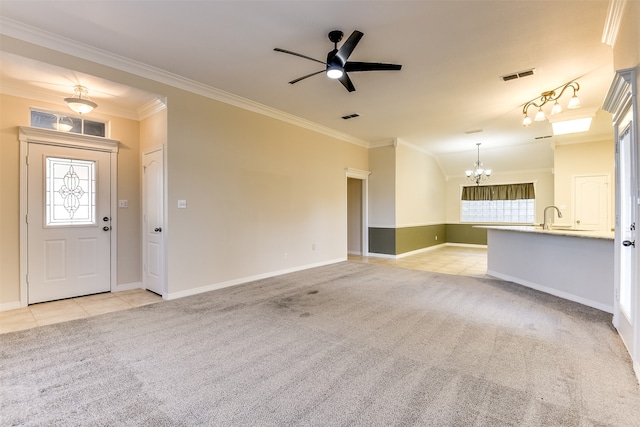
[
  {"x": 65, "y": 123},
  {"x": 513, "y": 203}
]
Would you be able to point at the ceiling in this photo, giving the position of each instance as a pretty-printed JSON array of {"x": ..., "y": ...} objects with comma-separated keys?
[{"x": 447, "y": 97}]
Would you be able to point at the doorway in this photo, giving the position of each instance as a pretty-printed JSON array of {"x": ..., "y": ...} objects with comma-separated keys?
[
  {"x": 357, "y": 212},
  {"x": 620, "y": 101},
  {"x": 67, "y": 194}
]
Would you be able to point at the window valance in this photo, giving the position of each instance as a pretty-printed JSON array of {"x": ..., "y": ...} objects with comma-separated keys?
[{"x": 499, "y": 192}]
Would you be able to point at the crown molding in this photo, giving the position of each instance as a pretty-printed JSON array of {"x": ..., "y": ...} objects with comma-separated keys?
[
  {"x": 55, "y": 42},
  {"x": 152, "y": 107},
  {"x": 612, "y": 22}
]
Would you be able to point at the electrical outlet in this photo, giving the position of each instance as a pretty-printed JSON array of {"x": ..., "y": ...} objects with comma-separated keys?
[
  {"x": 182, "y": 204},
  {"x": 436, "y": 237},
  {"x": 123, "y": 203},
  {"x": 313, "y": 246}
]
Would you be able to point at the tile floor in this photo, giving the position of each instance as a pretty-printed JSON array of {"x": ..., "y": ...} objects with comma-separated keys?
[
  {"x": 466, "y": 261},
  {"x": 447, "y": 259},
  {"x": 74, "y": 308}
]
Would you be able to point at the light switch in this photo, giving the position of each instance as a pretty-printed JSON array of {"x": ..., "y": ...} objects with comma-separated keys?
[
  {"x": 123, "y": 203},
  {"x": 182, "y": 204}
]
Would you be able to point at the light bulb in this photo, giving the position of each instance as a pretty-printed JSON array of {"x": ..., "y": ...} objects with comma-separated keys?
[
  {"x": 557, "y": 109},
  {"x": 334, "y": 72},
  {"x": 574, "y": 102},
  {"x": 526, "y": 122},
  {"x": 539, "y": 116}
]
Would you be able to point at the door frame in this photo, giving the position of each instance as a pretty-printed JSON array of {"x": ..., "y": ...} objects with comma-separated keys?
[
  {"x": 30, "y": 135},
  {"x": 163, "y": 235},
  {"x": 622, "y": 102},
  {"x": 364, "y": 177}
]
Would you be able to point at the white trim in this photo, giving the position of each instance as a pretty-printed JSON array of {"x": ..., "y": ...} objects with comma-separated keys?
[
  {"x": 152, "y": 107},
  {"x": 552, "y": 291},
  {"x": 468, "y": 245},
  {"x": 243, "y": 280},
  {"x": 612, "y": 23},
  {"x": 127, "y": 286},
  {"x": 30, "y": 135},
  {"x": 10, "y": 306},
  {"x": 419, "y": 251},
  {"x": 48, "y": 40}
]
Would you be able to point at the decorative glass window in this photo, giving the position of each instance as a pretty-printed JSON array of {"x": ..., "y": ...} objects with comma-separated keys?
[
  {"x": 498, "y": 204},
  {"x": 70, "y": 192},
  {"x": 64, "y": 123}
]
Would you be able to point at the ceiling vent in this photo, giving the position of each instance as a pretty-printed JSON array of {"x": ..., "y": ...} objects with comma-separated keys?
[
  {"x": 351, "y": 116},
  {"x": 518, "y": 75},
  {"x": 543, "y": 137}
]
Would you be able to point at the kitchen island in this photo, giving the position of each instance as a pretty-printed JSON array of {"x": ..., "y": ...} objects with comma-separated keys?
[{"x": 573, "y": 264}]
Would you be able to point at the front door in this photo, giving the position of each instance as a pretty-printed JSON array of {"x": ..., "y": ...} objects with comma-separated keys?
[{"x": 68, "y": 222}]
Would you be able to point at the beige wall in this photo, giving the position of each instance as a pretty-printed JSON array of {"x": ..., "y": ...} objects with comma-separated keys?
[
  {"x": 382, "y": 186},
  {"x": 420, "y": 188},
  {"x": 256, "y": 188},
  {"x": 543, "y": 185},
  {"x": 15, "y": 112},
  {"x": 626, "y": 52},
  {"x": 571, "y": 160}
]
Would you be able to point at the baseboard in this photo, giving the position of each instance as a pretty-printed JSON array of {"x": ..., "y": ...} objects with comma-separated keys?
[
  {"x": 419, "y": 251},
  {"x": 242, "y": 280},
  {"x": 10, "y": 306},
  {"x": 128, "y": 286},
  {"x": 551, "y": 291},
  {"x": 466, "y": 245}
]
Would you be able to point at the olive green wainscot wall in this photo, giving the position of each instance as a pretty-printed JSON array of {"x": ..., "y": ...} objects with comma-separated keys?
[{"x": 397, "y": 241}]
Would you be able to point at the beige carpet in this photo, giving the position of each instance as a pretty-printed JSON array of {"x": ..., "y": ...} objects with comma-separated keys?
[{"x": 347, "y": 344}]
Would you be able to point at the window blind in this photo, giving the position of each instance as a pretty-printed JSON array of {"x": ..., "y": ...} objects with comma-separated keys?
[{"x": 499, "y": 192}]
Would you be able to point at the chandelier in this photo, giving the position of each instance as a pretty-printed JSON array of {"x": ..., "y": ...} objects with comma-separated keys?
[
  {"x": 551, "y": 96},
  {"x": 478, "y": 173},
  {"x": 79, "y": 104}
]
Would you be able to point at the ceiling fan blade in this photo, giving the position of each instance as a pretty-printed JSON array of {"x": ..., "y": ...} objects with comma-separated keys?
[
  {"x": 346, "y": 82},
  {"x": 277, "y": 49},
  {"x": 370, "y": 66},
  {"x": 348, "y": 46},
  {"x": 304, "y": 77}
]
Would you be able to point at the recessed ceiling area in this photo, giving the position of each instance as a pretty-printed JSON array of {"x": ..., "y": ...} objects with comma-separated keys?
[{"x": 454, "y": 56}]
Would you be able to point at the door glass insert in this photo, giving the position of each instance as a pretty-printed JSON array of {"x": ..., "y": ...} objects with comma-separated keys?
[{"x": 70, "y": 197}]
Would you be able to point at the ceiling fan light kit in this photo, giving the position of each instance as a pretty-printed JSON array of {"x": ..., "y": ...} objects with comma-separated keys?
[
  {"x": 337, "y": 65},
  {"x": 551, "y": 96}
]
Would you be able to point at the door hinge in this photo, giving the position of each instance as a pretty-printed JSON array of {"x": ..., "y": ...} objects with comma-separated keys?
[
  {"x": 617, "y": 298},
  {"x": 26, "y": 219},
  {"x": 26, "y": 278}
]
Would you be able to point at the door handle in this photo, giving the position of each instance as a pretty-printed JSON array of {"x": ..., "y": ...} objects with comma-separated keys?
[
  {"x": 628, "y": 243},
  {"x": 106, "y": 228},
  {"x": 158, "y": 230}
]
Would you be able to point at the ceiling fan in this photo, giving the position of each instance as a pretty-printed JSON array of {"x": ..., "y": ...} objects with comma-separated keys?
[{"x": 337, "y": 65}]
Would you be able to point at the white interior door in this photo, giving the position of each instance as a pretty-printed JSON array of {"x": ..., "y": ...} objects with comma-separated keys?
[
  {"x": 591, "y": 202},
  {"x": 627, "y": 294},
  {"x": 68, "y": 222},
  {"x": 153, "y": 221}
]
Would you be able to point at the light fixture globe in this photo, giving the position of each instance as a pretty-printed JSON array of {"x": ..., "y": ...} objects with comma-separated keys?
[
  {"x": 334, "y": 71},
  {"x": 79, "y": 104}
]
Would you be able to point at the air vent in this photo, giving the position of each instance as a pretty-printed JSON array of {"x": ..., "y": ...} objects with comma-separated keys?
[
  {"x": 543, "y": 137},
  {"x": 351, "y": 116},
  {"x": 518, "y": 75},
  {"x": 468, "y": 132}
]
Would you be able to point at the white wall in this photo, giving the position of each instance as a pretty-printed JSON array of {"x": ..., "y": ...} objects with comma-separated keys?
[
  {"x": 420, "y": 188},
  {"x": 382, "y": 186}
]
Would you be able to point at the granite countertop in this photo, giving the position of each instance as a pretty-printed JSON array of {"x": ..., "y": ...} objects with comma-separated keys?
[{"x": 559, "y": 231}]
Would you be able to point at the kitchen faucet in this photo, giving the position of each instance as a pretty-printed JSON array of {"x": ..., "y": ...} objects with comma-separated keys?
[{"x": 547, "y": 224}]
